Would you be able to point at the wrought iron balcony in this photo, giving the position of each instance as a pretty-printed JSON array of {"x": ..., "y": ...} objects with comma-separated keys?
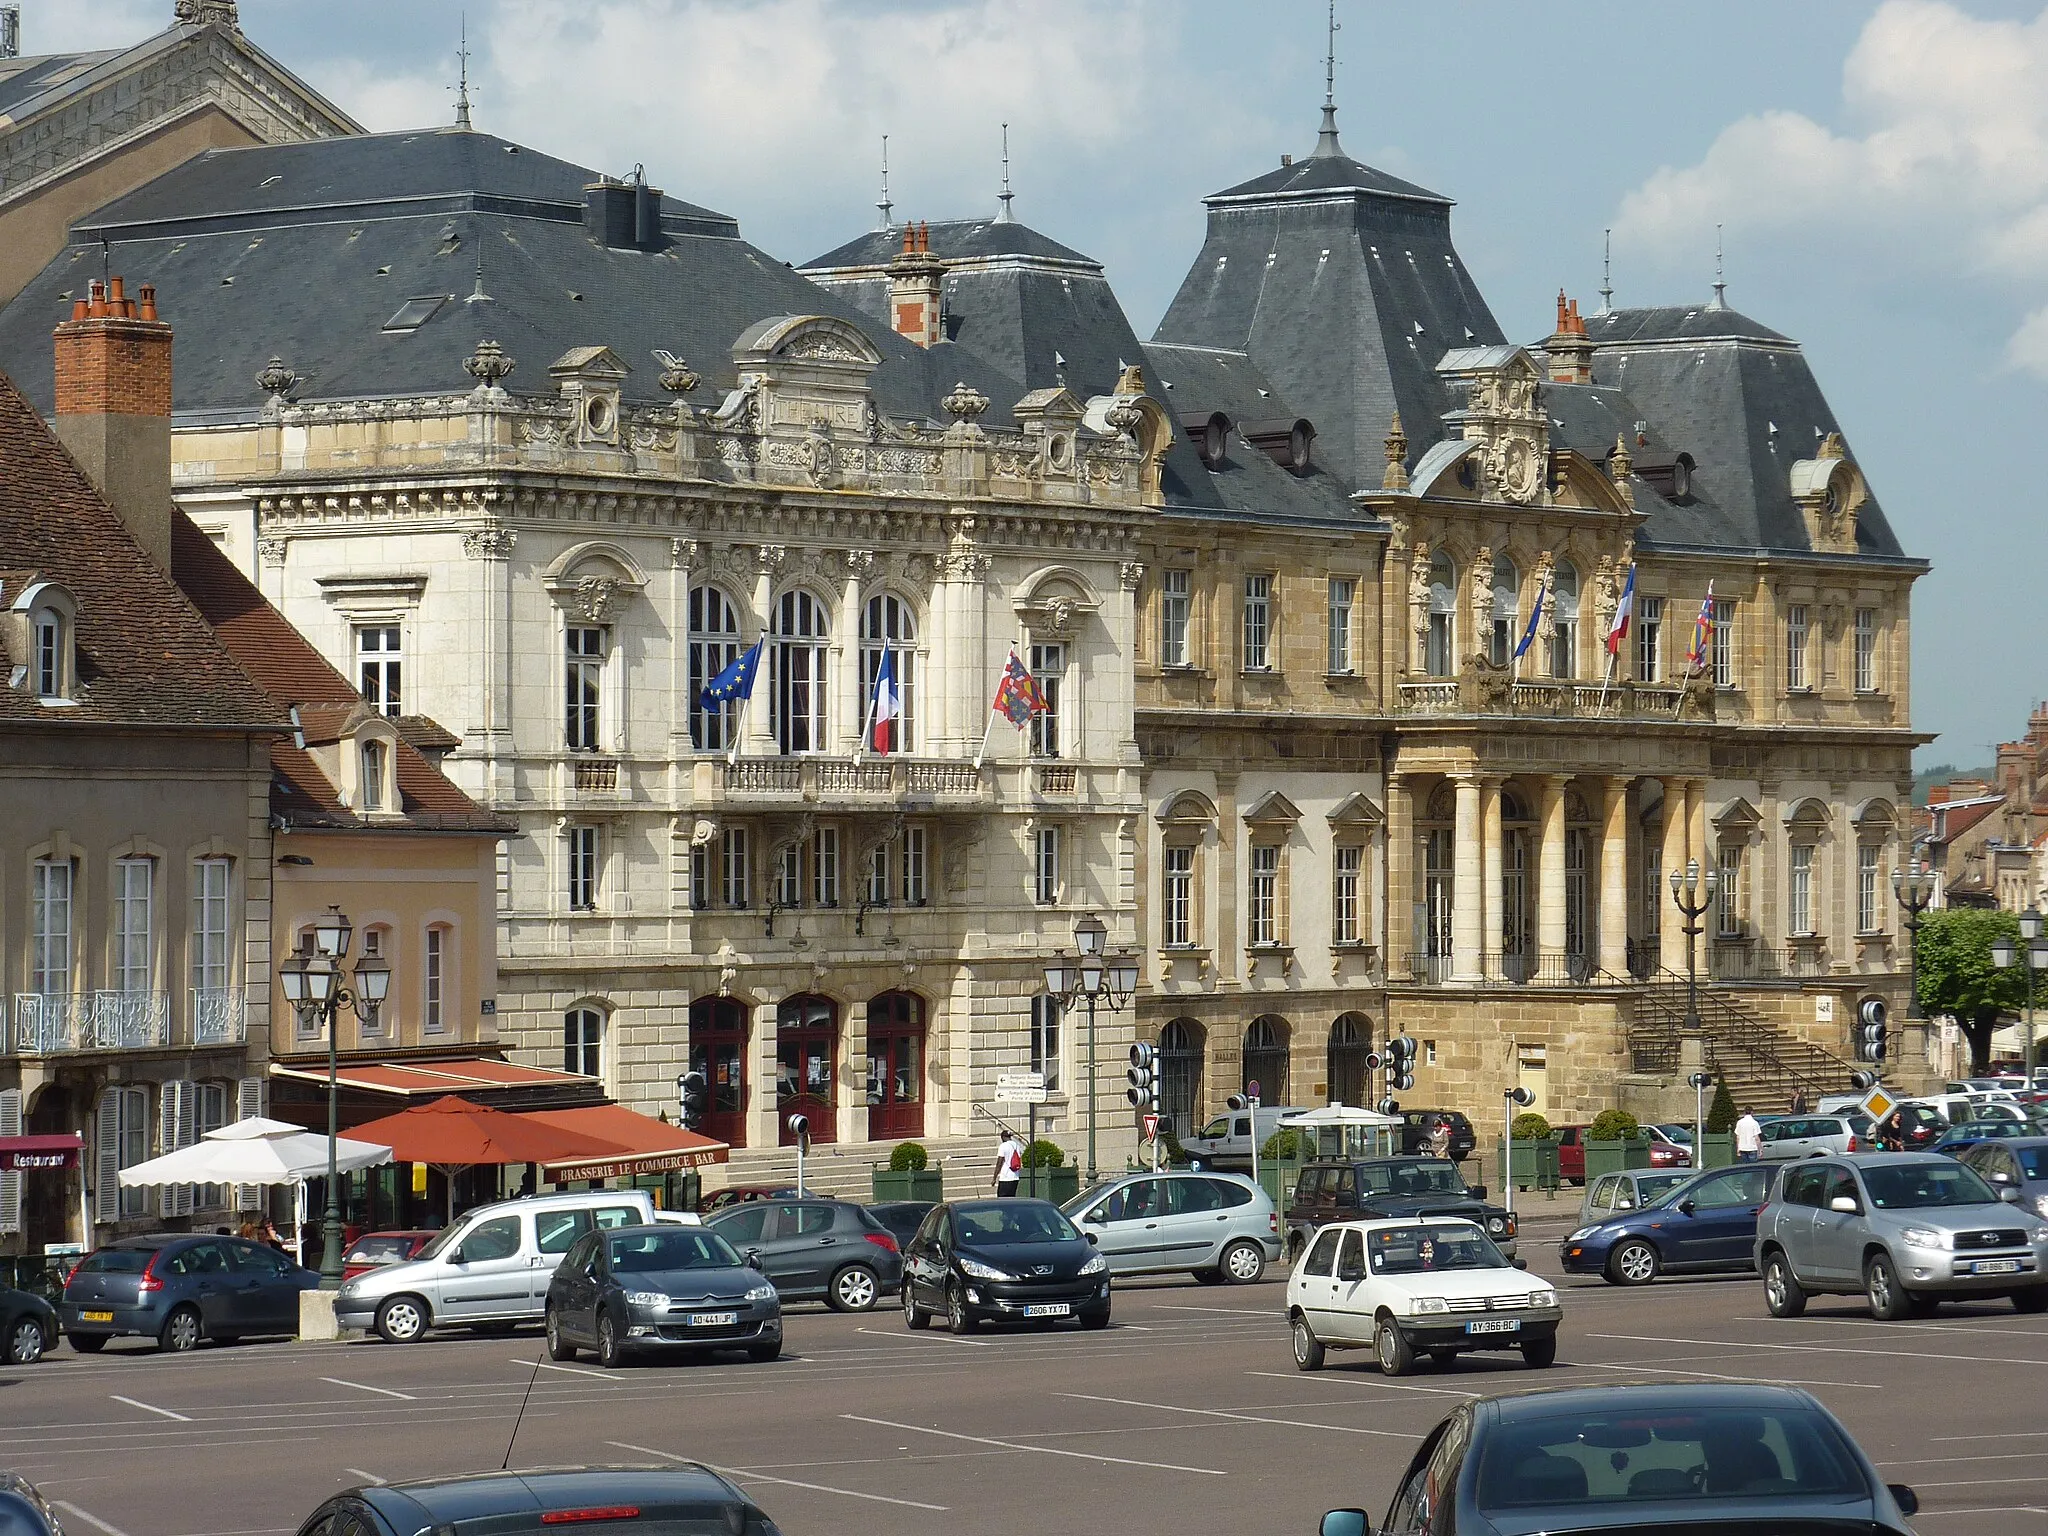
[
  {"x": 218, "y": 1018},
  {"x": 66, "y": 1023}
]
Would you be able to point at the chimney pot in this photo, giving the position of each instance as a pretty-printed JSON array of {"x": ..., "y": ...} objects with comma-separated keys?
[
  {"x": 78, "y": 309},
  {"x": 148, "y": 292}
]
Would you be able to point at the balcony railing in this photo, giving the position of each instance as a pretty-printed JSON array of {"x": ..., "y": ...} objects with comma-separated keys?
[
  {"x": 881, "y": 780},
  {"x": 130, "y": 1021},
  {"x": 218, "y": 1018},
  {"x": 1743, "y": 961},
  {"x": 68, "y": 1023},
  {"x": 596, "y": 776},
  {"x": 1552, "y": 698},
  {"x": 1058, "y": 779},
  {"x": 1434, "y": 969},
  {"x": 1548, "y": 968},
  {"x": 51, "y": 1023}
]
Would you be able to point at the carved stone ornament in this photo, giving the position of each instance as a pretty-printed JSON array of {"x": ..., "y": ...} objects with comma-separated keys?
[
  {"x": 489, "y": 543},
  {"x": 276, "y": 381},
  {"x": 200, "y": 13},
  {"x": 678, "y": 378},
  {"x": 703, "y": 831},
  {"x": 1125, "y": 417},
  {"x": 597, "y": 598},
  {"x": 820, "y": 462},
  {"x": 1131, "y": 573},
  {"x": 769, "y": 558},
  {"x": 272, "y": 549},
  {"x": 823, "y": 348},
  {"x": 1513, "y": 465},
  {"x": 1418, "y": 587},
  {"x": 860, "y": 563},
  {"x": 1395, "y": 477},
  {"x": 965, "y": 403},
  {"x": 489, "y": 365}
]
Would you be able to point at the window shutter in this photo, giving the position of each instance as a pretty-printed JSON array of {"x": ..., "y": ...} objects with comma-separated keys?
[
  {"x": 175, "y": 1129},
  {"x": 106, "y": 1189},
  {"x": 10, "y": 1183},
  {"x": 248, "y": 1106}
]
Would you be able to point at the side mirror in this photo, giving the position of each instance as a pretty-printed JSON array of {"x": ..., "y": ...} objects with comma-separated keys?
[
  {"x": 753, "y": 1258},
  {"x": 1519, "y": 1263},
  {"x": 458, "y": 1256},
  {"x": 1476, "y": 1191},
  {"x": 1687, "y": 1206},
  {"x": 1846, "y": 1204},
  {"x": 1093, "y": 1240},
  {"x": 1352, "y": 1522},
  {"x": 2001, "y": 1178},
  {"x": 1624, "y": 1204},
  {"x": 2008, "y": 1194},
  {"x": 1097, "y": 1217},
  {"x": 1907, "y": 1500}
]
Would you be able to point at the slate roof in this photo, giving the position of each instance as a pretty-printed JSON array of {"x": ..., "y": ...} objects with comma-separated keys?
[
  {"x": 951, "y": 240},
  {"x": 24, "y": 80},
  {"x": 306, "y": 251},
  {"x": 144, "y": 656},
  {"x": 1320, "y": 174},
  {"x": 294, "y": 674}
]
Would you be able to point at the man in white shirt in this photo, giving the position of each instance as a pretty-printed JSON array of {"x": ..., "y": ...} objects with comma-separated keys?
[
  {"x": 1009, "y": 1164},
  {"x": 1749, "y": 1138}
]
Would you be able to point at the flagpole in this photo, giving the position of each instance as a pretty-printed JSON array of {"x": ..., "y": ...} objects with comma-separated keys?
[
  {"x": 1613, "y": 655},
  {"x": 986, "y": 731},
  {"x": 739, "y": 734},
  {"x": 860, "y": 747}
]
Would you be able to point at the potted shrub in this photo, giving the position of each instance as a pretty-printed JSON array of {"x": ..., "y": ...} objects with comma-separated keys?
[
  {"x": 1533, "y": 1161},
  {"x": 909, "y": 1176},
  {"x": 1717, "y": 1147},
  {"x": 1046, "y": 1174},
  {"x": 1280, "y": 1160},
  {"x": 1614, "y": 1141}
]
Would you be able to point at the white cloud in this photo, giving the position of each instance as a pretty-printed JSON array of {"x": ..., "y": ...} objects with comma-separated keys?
[{"x": 1949, "y": 171}]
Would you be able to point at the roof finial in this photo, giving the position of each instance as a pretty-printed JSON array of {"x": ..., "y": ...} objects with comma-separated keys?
[
  {"x": 888, "y": 208},
  {"x": 1004, "y": 217},
  {"x": 1720, "y": 282},
  {"x": 462, "y": 86},
  {"x": 1607, "y": 275},
  {"x": 1326, "y": 141}
]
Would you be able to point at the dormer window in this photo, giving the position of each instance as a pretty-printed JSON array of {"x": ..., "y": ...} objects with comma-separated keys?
[
  {"x": 40, "y": 628},
  {"x": 374, "y": 757},
  {"x": 49, "y": 652}
]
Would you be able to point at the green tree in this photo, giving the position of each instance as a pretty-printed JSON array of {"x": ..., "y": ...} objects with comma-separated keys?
[
  {"x": 1956, "y": 976},
  {"x": 1722, "y": 1113}
]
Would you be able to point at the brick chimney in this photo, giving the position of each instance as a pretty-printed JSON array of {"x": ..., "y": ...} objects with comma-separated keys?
[
  {"x": 1569, "y": 348},
  {"x": 914, "y": 287},
  {"x": 114, "y": 406}
]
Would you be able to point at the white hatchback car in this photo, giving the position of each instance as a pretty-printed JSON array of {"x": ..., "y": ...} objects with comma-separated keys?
[{"x": 1423, "y": 1285}]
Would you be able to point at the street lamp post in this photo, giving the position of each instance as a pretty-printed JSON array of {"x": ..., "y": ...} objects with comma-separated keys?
[
  {"x": 312, "y": 982},
  {"x": 2032, "y": 956},
  {"x": 1090, "y": 978},
  {"x": 1913, "y": 889},
  {"x": 1694, "y": 894}
]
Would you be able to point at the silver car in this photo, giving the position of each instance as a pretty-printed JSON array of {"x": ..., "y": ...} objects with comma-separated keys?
[
  {"x": 1788, "y": 1137},
  {"x": 1218, "y": 1227},
  {"x": 1628, "y": 1190},
  {"x": 1905, "y": 1229}
]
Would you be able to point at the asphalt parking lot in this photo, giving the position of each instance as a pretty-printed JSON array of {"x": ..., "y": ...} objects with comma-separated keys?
[{"x": 1187, "y": 1414}]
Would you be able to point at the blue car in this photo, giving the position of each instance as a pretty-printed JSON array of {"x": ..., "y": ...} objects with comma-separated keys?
[
  {"x": 1705, "y": 1225},
  {"x": 1968, "y": 1133},
  {"x": 177, "y": 1289}
]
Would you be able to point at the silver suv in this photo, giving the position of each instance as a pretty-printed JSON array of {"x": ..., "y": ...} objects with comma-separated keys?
[
  {"x": 1219, "y": 1227},
  {"x": 1789, "y": 1137},
  {"x": 1904, "y": 1229}
]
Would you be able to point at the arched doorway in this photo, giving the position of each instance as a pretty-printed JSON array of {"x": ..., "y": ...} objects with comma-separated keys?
[
  {"x": 1517, "y": 952},
  {"x": 895, "y": 1066},
  {"x": 1180, "y": 1074},
  {"x": 1345, "y": 1070},
  {"x": 718, "y": 1049},
  {"x": 806, "y": 1046},
  {"x": 1265, "y": 1058}
]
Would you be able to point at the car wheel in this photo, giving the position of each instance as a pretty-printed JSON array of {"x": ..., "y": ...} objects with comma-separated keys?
[
  {"x": 1889, "y": 1301},
  {"x": 181, "y": 1331},
  {"x": 1783, "y": 1295},
  {"x": 1394, "y": 1353},
  {"x": 1539, "y": 1354},
  {"x": 2031, "y": 1300},
  {"x": 1633, "y": 1263},
  {"x": 559, "y": 1348},
  {"x": 914, "y": 1316},
  {"x": 1297, "y": 1245},
  {"x": 765, "y": 1352},
  {"x": 1242, "y": 1263},
  {"x": 1308, "y": 1349},
  {"x": 609, "y": 1353},
  {"x": 88, "y": 1343},
  {"x": 401, "y": 1320},
  {"x": 24, "y": 1344},
  {"x": 853, "y": 1289},
  {"x": 958, "y": 1319}
]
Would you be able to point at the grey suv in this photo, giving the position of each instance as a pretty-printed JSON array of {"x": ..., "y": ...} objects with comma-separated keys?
[
  {"x": 1795, "y": 1136},
  {"x": 1219, "y": 1227},
  {"x": 1904, "y": 1229}
]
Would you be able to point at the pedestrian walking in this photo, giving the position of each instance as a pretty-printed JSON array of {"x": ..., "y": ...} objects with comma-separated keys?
[
  {"x": 1799, "y": 1101},
  {"x": 1439, "y": 1137},
  {"x": 1749, "y": 1138},
  {"x": 1009, "y": 1168}
]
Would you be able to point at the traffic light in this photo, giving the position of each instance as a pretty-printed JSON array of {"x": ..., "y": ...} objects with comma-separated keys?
[
  {"x": 1870, "y": 1028},
  {"x": 1389, "y": 1105},
  {"x": 1863, "y": 1082},
  {"x": 1374, "y": 1061},
  {"x": 1401, "y": 1062},
  {"x": 1236, "y": 1102},
  {"x": 1142, "y": 1079},
  {"x": 693, "y": 1090}
]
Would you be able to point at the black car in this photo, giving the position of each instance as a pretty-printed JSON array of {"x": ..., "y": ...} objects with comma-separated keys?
[
  {"x": 660, "y": 1288},
  {"x": 901, "y": 1217},
  {"x": 976, "y": 1260},
  {"x": 1417, "y": 1123},
  {"x": 665, "y": 1500},
  {"x": 1704, "y": 1458},
  {"x": 817, "y": 1250},
  {"x": 1360, "y": 1189},
  {"x": 24, "y": 1511},
  {"x": 178, "y": 1289},
  {"x": 28, "y": 1328}
]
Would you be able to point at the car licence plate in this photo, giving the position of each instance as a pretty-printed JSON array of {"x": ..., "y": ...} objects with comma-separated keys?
[
  {"x": 1494, "y": 1325},
  {"x": 1995, "y": 1267},
  {"x": 95, "y": 1317},
  {"x": 712, "y": 1319},
  {"x": 1049, "y": 1309}
]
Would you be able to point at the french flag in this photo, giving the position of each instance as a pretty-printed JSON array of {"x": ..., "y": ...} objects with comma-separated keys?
[
  {"x": 1623, "y": 612},
  {"x": 888, "y": 706}
]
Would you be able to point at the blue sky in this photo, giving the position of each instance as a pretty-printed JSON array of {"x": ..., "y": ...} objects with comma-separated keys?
[{"x": 1881, "y": 171}]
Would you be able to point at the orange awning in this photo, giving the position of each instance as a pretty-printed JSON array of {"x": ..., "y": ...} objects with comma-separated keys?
[
  {"x": 637, "y": 1144},
  {"x": 454, "y": 1133}
]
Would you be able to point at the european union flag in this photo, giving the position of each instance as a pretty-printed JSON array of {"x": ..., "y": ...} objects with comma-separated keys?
[{"x": 736, "y": 681}]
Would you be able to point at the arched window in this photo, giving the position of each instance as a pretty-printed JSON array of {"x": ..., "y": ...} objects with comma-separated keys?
[
  {"x": 889, "y": 628},
  {"x": 1564, "y": 620},
  {"x": 1516, "y": 874},
  {"x": 1345, "y": 1070},
  {"x": 1440, "y": 646},
  {"x": 1265, "y": 1058},
  {"x": 797, "y": 699},
  {"x": 1180, "y": 1074},
  {"x": 583, "y": 1041},
  {"x": 718, "y": 1049},
  {"x": 895, "y": 1066},
  {"x": 714, "y": 646},
  {"x": 373, "y": 796},
  {"x": 806, "y": 1048},
  {"x": 1507, "y": 611}
]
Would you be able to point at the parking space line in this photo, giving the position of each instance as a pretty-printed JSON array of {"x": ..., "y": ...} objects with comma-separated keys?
[
  {"x": 182, "y": 1418},
  {"x": 368, "y": 1477},
  {"x": 1270, "y": 1314},
  {"x": 1248, "y": 1418},
  {"x": 743, "y": 1475},
  {"x": 572, "y": 1370},
  {"x": 1980, "y": 1482},
  {"x": 89, "y": 1518},
  {"x": 1823, "y": 1349},
  {"x": 938, "y": 1338},
  {"x": 1042, "y": 1450},
  {"x": 1652, "y": 1368},
  {"x": 363, "y": 1386}
]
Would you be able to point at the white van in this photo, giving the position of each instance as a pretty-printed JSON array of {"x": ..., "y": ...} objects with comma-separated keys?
[
  {"x": 489, "y": 1267},
  {"x": 1226, "y": 1141}
]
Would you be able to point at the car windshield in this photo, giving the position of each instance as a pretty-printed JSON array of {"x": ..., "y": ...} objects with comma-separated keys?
[
  {"x": 1651, "y": 1185},
  {"x": 648, "y": 1252},
  {"x": 1916, "y": 1186},
  {"x": 1214, "y": 1130},
  {"x": 117, "y": 1261},
  {"x": 1410, "y": 1178},
  {"x": 1682, "y": 1134},
  {"x": 1689, "y": 1453},
  {"x": 1013, "y": 1223},
  {"x": 1427, "y": 1249},
  {"x": 2033, "y": 1161}
]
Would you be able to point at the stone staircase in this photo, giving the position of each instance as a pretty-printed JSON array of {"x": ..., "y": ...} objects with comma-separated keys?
[
  {"x": 844, "y": 1171},
  {"x": 1762, "y": 1065}
]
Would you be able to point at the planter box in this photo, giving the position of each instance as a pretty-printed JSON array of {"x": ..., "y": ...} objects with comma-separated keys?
[
  {"x": 1059, "y": 1185},
  {"x": 926, "y": 1184},
  {"x": 1277, "y": 1177},
  {"x": 1534, "y": 1165},
  {"x": 1616, "y": 1156},
  {"x": 1717, "y": 1150}
]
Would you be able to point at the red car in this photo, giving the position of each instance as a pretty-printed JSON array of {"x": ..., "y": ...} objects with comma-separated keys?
[
  {"x": 1666, "y": 1153},
  {"x": 740, "y": 1194},
  {"x": 373, "y": 1250}
]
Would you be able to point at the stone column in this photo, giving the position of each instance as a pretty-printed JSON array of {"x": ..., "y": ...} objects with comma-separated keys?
[
  {"x": 761, "y": 1127},
  {"x": 1696, "y": 822},
  {"x": 683, "y": 556},
  {"x": 849, "y": 699},
  {"x": 1492, "y": 906},
  {"x": 1397, "y": 900},
  {"x": 1550, "y": 865},
  {"x": 759, "y": 729},
  {"x": 1614, "y": 879},
  {"x": 492, "y": 547},
  {"x": 1466, "y": 875},
  {"x": 1670, "y": 926}
]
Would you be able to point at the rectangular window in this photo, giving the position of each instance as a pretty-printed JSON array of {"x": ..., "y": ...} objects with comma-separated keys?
[
  {"x": 583, "y": 1042},
  {"x": 584, "y": 684},
  {"x": 1258, "y": 623},
  {"x": 1045, "y": 875},
  {"x": 49, "y": 647},
  {"x": 434, "y": 1019},
  {"x": 1045, "y": 1040},
  {"x": 380, "y": 664},
  {"x": 373, "y": 776},
  {"x": 373, "y": 942},
  {"x": 1724, "y": 643},
  {"x": 1869, "y": 914},
  {"x": 1177, "y": 898},
  {"x": 134, "y": 925},
  {"x": 789, "y": 876},
  {"x": 878, "y": 876},
  {"x": 1350, "y": 864},
  {"x": 825, "y": 866},
  {"x": 583, "y": 869},
  {"x": 210, "y": 926},
  {"x": 1866, "y": 650},
  {"x": 1728, "y": 899},
  {"x": 1343, "y": 591},
  {"x": 1795, "y": 648},
  {"x": 1649, "y": 639},
  {"x": 1262, "y": 918},
  {"x": 1175, "y": 600},
  {"x": 49, "y": 960},
  {"x": 915, "y": 889},
  {"x": 702, "y": 881},
  {"x": 735, "y": 877},
  {"x": 1049, "y": 667},
  {"x": 1799, "y": 909}
]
